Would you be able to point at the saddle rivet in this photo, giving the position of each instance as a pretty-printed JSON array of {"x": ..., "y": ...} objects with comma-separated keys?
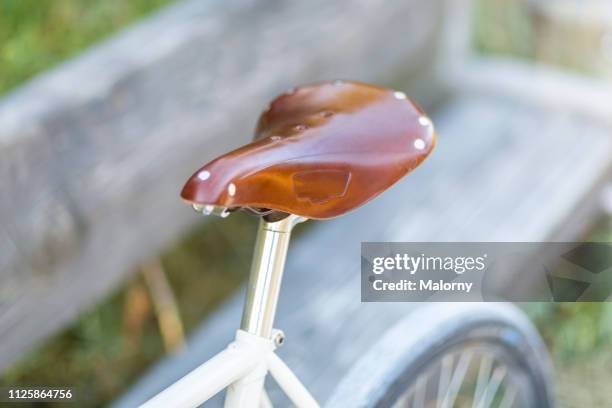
[
  {"x": 419, "y": 144},
  {"x": 204, "y": 175},
  {"x": 425, "y": 121},
  {"x": 399, "y": 95},
  {"x": 231, "y": 189}
]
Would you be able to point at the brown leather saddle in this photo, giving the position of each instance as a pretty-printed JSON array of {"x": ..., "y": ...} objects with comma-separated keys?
[{"x": 319, "y": 151}]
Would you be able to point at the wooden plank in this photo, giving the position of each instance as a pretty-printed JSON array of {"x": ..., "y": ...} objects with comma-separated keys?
[
  {"x": 541, "y": 85},
  {"x": 504, "y": 170},
  {"x": 93, "y": 154}
]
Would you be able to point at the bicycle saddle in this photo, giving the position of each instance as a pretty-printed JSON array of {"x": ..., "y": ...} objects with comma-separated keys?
[{"x": 319, "y": 151}]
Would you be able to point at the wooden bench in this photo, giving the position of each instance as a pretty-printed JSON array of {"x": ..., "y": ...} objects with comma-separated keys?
[
  {"x": 522, "y": 156},
  {"x": 92, "y": 156},
  {"x": 506, "y": 169}
]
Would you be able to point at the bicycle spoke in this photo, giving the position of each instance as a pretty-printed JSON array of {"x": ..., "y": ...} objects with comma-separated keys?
[
  {"x": 509, "y": 396},
  {"x": 457, "y": 379},
  {"x": 484, "y": 372},
  {"x": 445, "y": 375},
  {"x": 419, "y": 394},
  {"x": 489, "y": 393},
  {"x": 468, "y": 377}
]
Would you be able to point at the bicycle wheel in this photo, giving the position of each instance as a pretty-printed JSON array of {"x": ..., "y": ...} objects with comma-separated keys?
[{"x": 453, "y": 355}]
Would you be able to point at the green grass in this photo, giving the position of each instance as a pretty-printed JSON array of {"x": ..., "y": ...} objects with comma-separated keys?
[
  {"x": 577, "y": 331},
  {"x": 503, "y": 27},
  {"x": 37, "y": 34},
  {"x": 573, "y": 330}
]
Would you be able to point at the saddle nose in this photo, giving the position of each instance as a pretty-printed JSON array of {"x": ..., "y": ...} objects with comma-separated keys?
[{"x": 319, "y": 151}]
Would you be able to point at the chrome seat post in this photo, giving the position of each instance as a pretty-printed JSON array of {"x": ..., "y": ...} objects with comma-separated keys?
[{"x": 266, "y": 275}]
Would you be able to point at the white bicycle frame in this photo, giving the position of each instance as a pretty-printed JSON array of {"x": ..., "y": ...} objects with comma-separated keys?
[{"x": 244, "y": 364}]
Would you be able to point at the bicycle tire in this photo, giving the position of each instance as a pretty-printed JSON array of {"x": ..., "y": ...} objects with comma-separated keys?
[{"x": 421, "y": 339}]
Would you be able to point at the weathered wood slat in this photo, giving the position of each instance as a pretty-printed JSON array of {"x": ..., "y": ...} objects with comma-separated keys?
[
  {"x": 542, "y": 85},
  {"x": 93, "y": 154},
  {"x": 505, "y": 169}
]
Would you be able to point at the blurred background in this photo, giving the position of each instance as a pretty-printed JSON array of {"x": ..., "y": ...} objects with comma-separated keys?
[{"x": 149, "y": 309}]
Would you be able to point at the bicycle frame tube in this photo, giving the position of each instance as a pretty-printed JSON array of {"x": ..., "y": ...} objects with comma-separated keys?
[
  {"x": 243, "y": 366},
  {"x": 266, "y": 275},
  {"x": 261, "y": 298},
  {"x": 233, "y": 363}
]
